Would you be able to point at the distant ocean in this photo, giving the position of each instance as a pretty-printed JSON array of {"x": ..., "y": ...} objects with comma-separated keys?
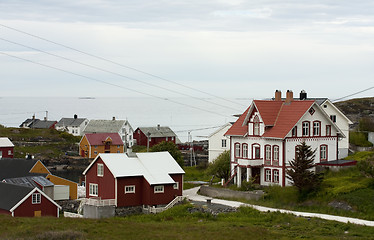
[{"x": 139, "y": 111}]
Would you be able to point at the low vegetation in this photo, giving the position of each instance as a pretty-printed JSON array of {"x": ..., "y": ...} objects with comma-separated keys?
[{"x": 179, "y": 223}]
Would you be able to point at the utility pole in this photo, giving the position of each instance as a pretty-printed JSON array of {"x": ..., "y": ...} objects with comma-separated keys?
[
  {"x": 192, "y": 152},
  {"x": 148, "y": 135}
]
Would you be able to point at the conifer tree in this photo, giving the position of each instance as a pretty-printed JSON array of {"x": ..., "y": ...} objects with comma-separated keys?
[{"x": 300, "y": 172}]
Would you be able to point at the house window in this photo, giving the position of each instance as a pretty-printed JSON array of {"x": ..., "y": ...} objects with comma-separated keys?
[
  {"x": 237, "y": 150},
  {"x": 130, "y": 189},
  {"x": 118, "y": 146},
  {"x": 100, "y": 169},
  {"x": 276, "y": 176},
  {"x": 118, "y": 151},
  {"x": 245, "y": 150},
  {"x": 328, "y": 130},
  {"x": 333, "y": 118},
  {"x": 159, "y": 189},
  {"x": 9, "y": 152},
  {"x": 95, "y": 152},
  {"x": 275, "y": 155},
  {"x": 267, "y": 154},
  {"x": 94, "y": 189},
  {"x": 267, "y": 175},
  {"x": 256, "y": 151},
  {"x": 323, "y": 153},
  {"x": 305, "y": 129},
  {"x": 294, "y": 131},
  {"x": 256, "y": 126},
  {"x": 316, "y": 128},
  {"x": 223, "y": 143},
  {"x": 312, "y": 111},
  {"x": 176, "y": 185},
  {"x": 36, "y": 198}
]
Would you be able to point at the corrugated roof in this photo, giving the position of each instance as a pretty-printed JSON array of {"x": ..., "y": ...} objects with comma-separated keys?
[
  {"x": 30, "y": 181},
  {"x": 75, "y": 122},
  {"x": 155, "y": 167},
  {"x": 5, "y": 142},
  {"x": 100, "y": 138},
  {"x": 158, "y": 131},
  {"x": 104, "y": 126}
]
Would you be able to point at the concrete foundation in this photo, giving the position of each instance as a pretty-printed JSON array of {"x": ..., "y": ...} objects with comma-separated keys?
[{"x": 97, "y": 212}]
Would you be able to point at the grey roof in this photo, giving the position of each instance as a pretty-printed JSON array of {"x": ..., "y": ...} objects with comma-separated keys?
[
  {"x": 12, "y": 194},
  {"x": 30, "y": 181},
  {"x": 339, "y": 162},
  {"x": 74, "y": 122},
  {"x": 158, "y": 131},
  {"x": 13, "y": 168},
  {"x": 45, "y": 124},
  {"x": 104, "y": 126},
  {"x": 28, "y": 122}
]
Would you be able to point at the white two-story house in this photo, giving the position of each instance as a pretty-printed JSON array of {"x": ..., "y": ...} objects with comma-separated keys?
[
  {"x": 74, "y": 126},
  {"x": 264, "y": 139},
  {"x": 218, "y": 142}
]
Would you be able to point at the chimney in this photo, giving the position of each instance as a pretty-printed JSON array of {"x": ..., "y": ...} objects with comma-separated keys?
[
  {"x": 289, "y": 96},
  {"x": 303, "y": 95},
  {"x": 114, "y": 118},
  {"x": 33, "y": 117},
  {"x": 158, "y": 127},
  {"x": 75, "y": 116},
  {"x": 278, "y": 95}
]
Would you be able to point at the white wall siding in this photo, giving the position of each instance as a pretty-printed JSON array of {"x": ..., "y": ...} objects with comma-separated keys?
[{"x": 215, "y": 143}]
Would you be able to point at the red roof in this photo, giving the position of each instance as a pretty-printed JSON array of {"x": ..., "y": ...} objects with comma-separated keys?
[
  {"x": 281, "y": 116},
  {"x": 100, "y": 138}
]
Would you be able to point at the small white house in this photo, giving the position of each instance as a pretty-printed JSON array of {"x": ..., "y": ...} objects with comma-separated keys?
[
  {"x": 122, "y": 127},
  {"x": 218, "y": 142},
  {"x": 74, "y": 126}
]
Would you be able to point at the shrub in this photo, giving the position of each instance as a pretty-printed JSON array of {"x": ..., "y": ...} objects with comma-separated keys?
[
  {"x": 220, "y": 166},
  {"x": 359, "y": 139}
]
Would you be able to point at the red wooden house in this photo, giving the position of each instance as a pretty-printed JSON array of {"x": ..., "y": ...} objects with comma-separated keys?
[
  {"x": 154, "y": 135},
  {"x": 6, "y": 148},
  {"x": 21, "y": 201},
  {"x": 148, "y": 179}
]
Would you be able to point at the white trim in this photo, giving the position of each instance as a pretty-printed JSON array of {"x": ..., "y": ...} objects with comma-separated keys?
[
  {"x": 177, "y": 185},
  {"x": 115, "y": 191},
  {"x": 158, "y": 191},
  {"x": 89, "y": 166},
  {"x": 101, "y": 173},
  {"x": 94, "y": 185},
  {"x": 28, "y": 195},
  {"x": 130, "y": 191},
  {"x": 37, "y": 201}
]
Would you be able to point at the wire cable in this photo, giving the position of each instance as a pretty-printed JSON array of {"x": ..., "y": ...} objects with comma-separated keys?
[
  {"x": 119, "y": 64},
  {"x": 113, "y": 73},
  {"x": 112, "y": 84},
  {"x": 350, "y": 95}
]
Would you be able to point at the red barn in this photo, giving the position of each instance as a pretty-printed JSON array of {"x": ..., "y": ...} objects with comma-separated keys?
[
  {"x": 148, "y": 179},
  {"x": 154, "y": 135},
  {"x": 6, "y": 148},
  {"x": 21, "y": 201}
]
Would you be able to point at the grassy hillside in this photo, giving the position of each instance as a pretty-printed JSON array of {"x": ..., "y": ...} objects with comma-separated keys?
[
  {"x": 179, "y": 223},
  {"x": 357, "y": 108},
  {"x": 42, "y": 143}
]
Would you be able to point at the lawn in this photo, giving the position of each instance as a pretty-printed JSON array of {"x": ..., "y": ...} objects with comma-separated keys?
[{"x": 178, "y": 223}]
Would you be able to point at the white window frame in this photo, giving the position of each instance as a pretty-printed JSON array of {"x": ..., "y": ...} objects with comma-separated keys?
[
  {"x": 316, "y": 128},
  {"x": 276, "y": 176},
  {"x": 94, "y": 189},
  {"x": 129, "y": 189},
  {"x": 9, "y": 152},
  {"x": 306, "y": 129},
  {"x": 267, "y": 153},
  {"x": 245, "y": 150},
  {"x": 100, "y": 170},
  {"x": 267, "y": 175},
  {"x": 176, "y": 185},
  {"x": 323, "y": 153},
  {"x": 276, "y": 153},
  {"x": 158, "y": 189},
  {"x": 237, "y": 150},
  {"x": 36, "y": 198},
  {"x": 224, "y": 143}
]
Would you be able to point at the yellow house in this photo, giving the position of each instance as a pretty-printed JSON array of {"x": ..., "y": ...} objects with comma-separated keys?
[
  {"x": 92, "y": 144},
  {"x": 73, "y": 187}
]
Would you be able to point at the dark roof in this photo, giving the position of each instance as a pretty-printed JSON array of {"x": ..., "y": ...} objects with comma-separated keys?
[
  {"x": 158, "y": 131},
  {"x": 30, "y": 181},
  {"x": 75, "y": 122},
  {"x": 37, "y": 123},
  {"x": 13, "y": 168},
  {"x": 104, "y": 126},
  {"x": 339, "y": 163},
  {"x": 12, "y": 194},
  {"x": 28, "y": 122}
]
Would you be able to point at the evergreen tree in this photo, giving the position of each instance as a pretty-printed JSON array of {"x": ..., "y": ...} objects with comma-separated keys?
[{"x": 300, "y": 172}]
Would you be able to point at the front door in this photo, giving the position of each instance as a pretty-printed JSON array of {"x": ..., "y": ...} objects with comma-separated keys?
[{"x": 256, "y": 175}]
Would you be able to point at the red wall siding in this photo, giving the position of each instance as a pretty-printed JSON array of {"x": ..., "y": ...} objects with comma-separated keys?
[
  {"x": 106, "y": 183},
  {"x": 2, "y": 211},
  {"x": 26, "y": 209},
  {"x": 130, "y": 199},
  {"x": 141, "y": 139},
  {"x": 5, "y": 151}
]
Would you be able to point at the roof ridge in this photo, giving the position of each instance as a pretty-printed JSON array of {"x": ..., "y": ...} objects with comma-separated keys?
[{"x": 276, "y": 119}]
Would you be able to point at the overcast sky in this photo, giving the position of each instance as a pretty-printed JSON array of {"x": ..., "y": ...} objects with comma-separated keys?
[{"x": 229, "y": 48}]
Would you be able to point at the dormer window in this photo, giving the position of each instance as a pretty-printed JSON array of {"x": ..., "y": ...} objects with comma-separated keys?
[{"x": 256, "y": 126}]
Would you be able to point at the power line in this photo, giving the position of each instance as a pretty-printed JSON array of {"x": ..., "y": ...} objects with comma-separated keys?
[
  {"x": 114, "y": 73},
  {"x": 350, "y": 95},
  {"x": 119, "y": 64},
  {"x": 199, "y": 129},
  {"x": 112, "y": 84}
]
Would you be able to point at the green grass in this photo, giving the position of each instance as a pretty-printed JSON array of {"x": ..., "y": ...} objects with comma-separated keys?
[
  {"x": 359, "y": 156},
  {"x": 359, "y": 139},
  {"x": 178, "y": 223}
]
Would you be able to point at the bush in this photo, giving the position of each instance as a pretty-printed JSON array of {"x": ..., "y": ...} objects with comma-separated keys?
[
  {"x": 220, "y": 166},
  {"x": 359, "y": 139},
  {"x": 171, "y": 148}
]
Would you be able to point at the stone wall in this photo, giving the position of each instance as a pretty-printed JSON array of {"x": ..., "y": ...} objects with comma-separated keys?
[{"x": 227, "y": 193}]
